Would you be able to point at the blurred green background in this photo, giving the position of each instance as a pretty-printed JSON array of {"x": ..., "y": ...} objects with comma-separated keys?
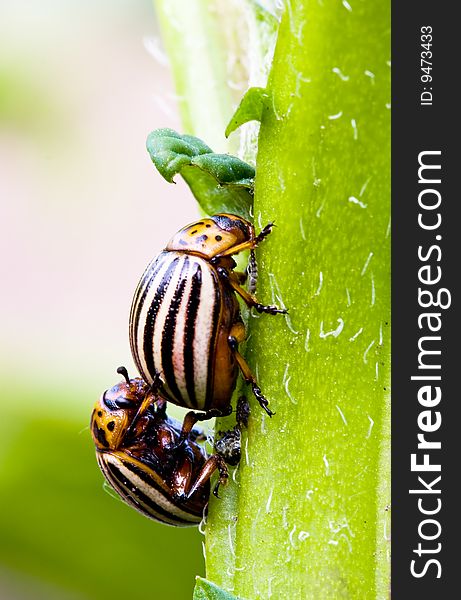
[{"x": 82, "y": 212}]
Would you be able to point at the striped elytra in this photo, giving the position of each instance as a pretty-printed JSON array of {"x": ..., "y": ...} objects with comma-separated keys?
[
  {"x": 180, "y": 321},
  {"x": 154, "y": 464},
  {"x": 185, "y": 323},
  {"x": 144, "y": 489}
]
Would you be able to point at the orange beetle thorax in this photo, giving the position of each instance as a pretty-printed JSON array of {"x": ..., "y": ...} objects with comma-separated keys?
[{"x": 212, "y": 237}]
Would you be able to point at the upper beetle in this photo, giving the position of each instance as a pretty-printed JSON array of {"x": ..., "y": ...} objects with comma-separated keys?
[{"x": 185, "y": 320}]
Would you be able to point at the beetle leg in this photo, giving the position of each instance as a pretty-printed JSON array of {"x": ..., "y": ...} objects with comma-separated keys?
[
  {"x": 198, "y": 435},
  {"x": 241, "y": 277},
  {"x": 236, "y": 336},
  {"x": 251, "y": 243},
  {"x": 252, "y": 271},
  {"x": 249, "y": 299},
  {"x": 215, "y": 462},
  {"x": 252, "y": 301},
  {"x": 192, "y": 418},
  {"x": 151, "y": 397},
  {"x": 189, "y": 421},
  {"x": 263, "y": 234}
]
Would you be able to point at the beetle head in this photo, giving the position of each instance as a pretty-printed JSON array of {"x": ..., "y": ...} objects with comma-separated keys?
[{"x": 115, "y": 410}]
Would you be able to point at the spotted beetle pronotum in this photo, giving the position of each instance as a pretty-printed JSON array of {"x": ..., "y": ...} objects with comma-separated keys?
[
  {"x": 185, "y": 320},
  {"x": 156, "y": 465}
]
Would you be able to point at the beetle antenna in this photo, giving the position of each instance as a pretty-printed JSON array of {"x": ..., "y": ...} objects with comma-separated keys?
[{"x": 124, "y": 372}]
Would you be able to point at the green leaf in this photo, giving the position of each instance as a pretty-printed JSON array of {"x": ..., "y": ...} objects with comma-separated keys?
[
  {"x": 206, "y": 590},
  {"x": 219, "y": 182},
  {"x": 170, "y": 151},
  {"x": 251, "y": 108}
]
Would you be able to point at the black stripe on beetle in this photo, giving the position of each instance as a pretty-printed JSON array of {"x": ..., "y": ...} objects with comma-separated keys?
[
  {"x": 149, "y": 324},
  {"x": 169, "y": 331},
  {"x": 142, "y": 290},
  {"x": 130, "y": 491},
  {"x": 189, "y": 330}
]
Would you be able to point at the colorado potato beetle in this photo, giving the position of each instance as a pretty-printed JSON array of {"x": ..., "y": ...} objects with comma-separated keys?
[
  {"x": 155, "y": 465},
  {"x": 185, "y": 320}
]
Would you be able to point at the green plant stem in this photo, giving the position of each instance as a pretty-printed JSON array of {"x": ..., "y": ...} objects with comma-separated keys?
[
  {"x": 196, "y": 47},
  {"x": 314, "y": 480}
]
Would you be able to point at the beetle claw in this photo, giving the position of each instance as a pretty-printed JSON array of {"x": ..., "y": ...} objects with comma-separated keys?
[
  {"x": 271, "y": 309},
  {"x": 263, "y": 402}
]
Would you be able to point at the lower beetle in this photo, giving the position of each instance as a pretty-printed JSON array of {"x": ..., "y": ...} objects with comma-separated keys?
[
  {"x": 156, "y": 465},
  {"x": 185, "y": 320}
]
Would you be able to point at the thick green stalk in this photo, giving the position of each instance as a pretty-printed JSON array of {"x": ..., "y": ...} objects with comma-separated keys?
[{"x": 314, "y": 480}]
